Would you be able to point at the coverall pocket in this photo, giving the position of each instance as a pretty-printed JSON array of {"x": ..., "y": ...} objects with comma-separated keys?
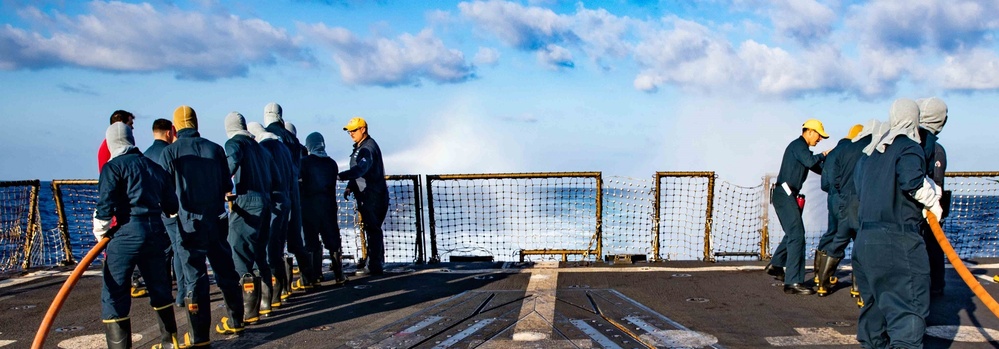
[{"x": 877, "y": 251}]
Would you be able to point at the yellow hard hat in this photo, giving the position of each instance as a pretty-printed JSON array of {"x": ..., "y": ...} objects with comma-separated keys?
[
  {"x": 355, "y": 123},
  {"x": 854, "y": 131},
  {"x": 815, "y": 124}
]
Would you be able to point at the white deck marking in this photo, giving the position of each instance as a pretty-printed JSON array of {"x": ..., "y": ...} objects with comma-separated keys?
[
  {"x": 969, "y": 334},
  {"x": 430, "y": 320},
  {"x": 671, "y": 338},
  {"x": 594, "y": 334},
  {"x": 4, "y": 343},
  {"x": 814, "y": 336},
  {"x": 463, "y": 334},
  {"x": 541, "y": 285},
  {"x": 95, "y": 341}
]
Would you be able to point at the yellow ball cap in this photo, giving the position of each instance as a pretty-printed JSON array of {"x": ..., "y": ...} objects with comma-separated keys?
[
  {"x": 355, "y": 123},
  {"x": 854, "y": 131},
  {"x": 814, "y": 124},
  {"x": 185, "y": 117}
]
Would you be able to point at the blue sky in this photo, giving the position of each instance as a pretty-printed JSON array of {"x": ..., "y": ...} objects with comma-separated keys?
[{"x": 623, "y": 87}]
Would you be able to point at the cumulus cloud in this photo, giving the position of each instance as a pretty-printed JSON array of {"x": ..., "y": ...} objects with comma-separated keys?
[
  {"x": 122, "y": 37},
  {"x": 974, "y": 70},
  {"x": 486, "y": 56},
  {"x": 407, "y": 60},
  {"x": 805, "y": 21},
  {"x": 525, "y": 28},
  {"x": 939, "y": 25},
  {"x": 555, "y": 57}
]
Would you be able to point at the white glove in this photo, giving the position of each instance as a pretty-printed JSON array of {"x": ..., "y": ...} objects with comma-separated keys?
[
  {"x": 100, "y": 226},
  {"x": 928, "y": 194},
  {"x": 937, "y": 211}
]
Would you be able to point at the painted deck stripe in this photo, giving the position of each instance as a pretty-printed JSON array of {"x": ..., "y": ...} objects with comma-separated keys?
[
  {"x": 594, "y": 334},
  {"x": 430, "y": 320},
  {"x": 464, "y": 334}
]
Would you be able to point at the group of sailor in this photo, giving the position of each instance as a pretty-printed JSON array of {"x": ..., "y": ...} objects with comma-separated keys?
[
  {"x": 166, "y": 208},
  {"x": 882, "y": 179}
]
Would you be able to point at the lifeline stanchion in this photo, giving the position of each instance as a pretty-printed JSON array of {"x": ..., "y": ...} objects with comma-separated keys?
[
  {"x": 43, "y": 329},
  {"x": 962, "y": 270}
]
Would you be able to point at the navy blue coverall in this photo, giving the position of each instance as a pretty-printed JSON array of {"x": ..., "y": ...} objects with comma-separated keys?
[
  {"x": 367, "y": 181},
  {"x": 135, "y": 191},
  {"x": 319, "y": 206},
  {"x": 251, "y": 167},
  {"x": 153, "y": 153},
  {"x": 794, "y": 167},
  {"x": 201, "y": 176},
  {"x": 839, "y": 169},
  {"x": 889, "y": 256},
  {"x": 280, "y": 212},
  {"x": 936, "y": 167},
  {"x": 296, "y": 242}
]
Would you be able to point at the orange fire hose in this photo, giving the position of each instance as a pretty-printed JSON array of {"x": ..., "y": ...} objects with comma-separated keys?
[
  {"x": 43, "y": 329},
  {"x": 962, "y": 270}
]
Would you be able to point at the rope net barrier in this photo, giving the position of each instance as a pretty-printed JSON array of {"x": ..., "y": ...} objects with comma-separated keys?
[
  {"x": 582, "y": 216},
  {"x": 495, "y": 215},
  {"x": 17, "y": 222}
]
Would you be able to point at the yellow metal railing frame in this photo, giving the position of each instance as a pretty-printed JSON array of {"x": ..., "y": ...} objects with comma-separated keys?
[{"x": 657, "y": 210}]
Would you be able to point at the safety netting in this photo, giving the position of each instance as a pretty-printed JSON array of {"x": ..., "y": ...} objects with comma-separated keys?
[
  {"x": 75, "y": 201},
  {"x": 504, "y": 215},
  {"x": 627, "y": 212},
  {"x": 402, "y": 228},
  {"x": 972, "y": 225},
  {"x": 19, "y": 220}
]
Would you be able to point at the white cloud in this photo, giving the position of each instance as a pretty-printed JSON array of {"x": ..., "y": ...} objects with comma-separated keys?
[
  {"x": 940, "y": 25},
  {"x": 122, "y": 37},
  {"x": 525, "y": 28},
  {"x": 405, "y": 60},
  {"x": 486, "y": 56},
  {"x": 555, "y": 57},
  {"x": 974, "y": 70},
  {"x": 806, "y": 21}
]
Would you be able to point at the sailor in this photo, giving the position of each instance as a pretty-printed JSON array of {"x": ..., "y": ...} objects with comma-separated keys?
[
  {"x": 251, "y": 168},
  {"x": 134, "y": 191},
  {"x": 366, "y": 177},
  {"x": 788, "y": 202},
  {"x": 837, "y": 169},
  {"x": 932, "y": 117},
  {"x": 163, "y": 135},
  {"x": 279, "y": 217},
  {"x": 103, "y": 155},
  {"x": 319, "y": 206},
  {"x": 274, "y": 119},
  {"x": 201, "y": 175},
  {"x": 889, "y": 256}
]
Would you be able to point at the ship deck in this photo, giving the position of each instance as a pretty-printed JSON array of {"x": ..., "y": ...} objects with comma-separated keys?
[{"x": 523, "y": 305}]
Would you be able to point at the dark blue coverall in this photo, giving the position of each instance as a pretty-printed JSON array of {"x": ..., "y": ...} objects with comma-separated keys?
[
  {"x": 936, "y": 167},
  {"x": 135, "y": 191},
  {"x": 794, "y": 167},
  {"x": 828, "y": 174},
  {"x": 889, "y": 256},
  {"x": 280, "y": 214},
  {"x": 367, "y": 181},
  {"x": 839, "y": 168},
  {"x": 319, "y": 208},
  {"x": 201, "y": 175},
  {"x": 249, "y": 220},
  {"x": 153, "y": 153},
  {"x": 296, "y": 242}
]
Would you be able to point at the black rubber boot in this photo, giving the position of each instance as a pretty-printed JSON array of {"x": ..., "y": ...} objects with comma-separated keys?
[
  {"x": 251, "y": 298},
  {"x": 118, "y": 333},
  {"x": 200, "y": 322},
  {"x": 336, "y": 265},
  {"x": 305, "y": 276},
  {"x": 817, "y": 266},
  {"x": 266, "y": 297},
  {"x": 168, "y": 328},
  {"x": 827, "y": 275},
  {"x": 317, "y": 268},
  {"x": 289, "y": 271}
]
